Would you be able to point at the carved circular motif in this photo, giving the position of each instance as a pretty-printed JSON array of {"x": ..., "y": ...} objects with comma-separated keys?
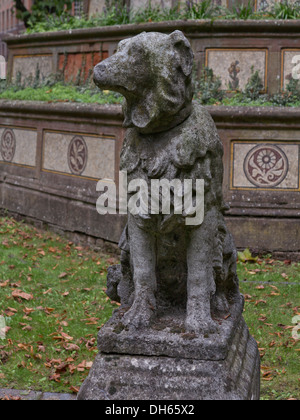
[
  {"x": 8, "y": 145},
  {"x": 266, "y": 166},
  {"x": 77, "y": 155}
]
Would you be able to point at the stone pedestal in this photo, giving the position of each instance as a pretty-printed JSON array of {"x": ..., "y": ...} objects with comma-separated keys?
[{"x": 165, "y": 365}]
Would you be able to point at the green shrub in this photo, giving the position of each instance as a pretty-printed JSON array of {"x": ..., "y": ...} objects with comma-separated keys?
[
  {"x": 54, "y": 88},
  {"x": 285, "y": 9},
  {"x": 208, "y": 88},
  {"x": 208, "y": 91},
  {"x": 254, "y": 86},
  {"x": 205, "y": 9},
  {"x": 116, "y": 13},
  {"x": 242, "y": 11}
]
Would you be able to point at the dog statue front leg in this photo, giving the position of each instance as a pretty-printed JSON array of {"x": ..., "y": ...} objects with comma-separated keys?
[
  {"x": 143, "y": 254},
  {"x": 200, "y": 282}
]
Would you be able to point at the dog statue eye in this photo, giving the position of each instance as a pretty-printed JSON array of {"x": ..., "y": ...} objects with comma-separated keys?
[
  {"x": 122, "y": 44},
  {"x": 136, "y": 50}
]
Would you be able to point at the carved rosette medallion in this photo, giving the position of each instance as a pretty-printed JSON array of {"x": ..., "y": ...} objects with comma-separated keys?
[
  {"x": 8, "y": 145},
  {"x": 266, "y": 166},
  {"x": 77, "y": 155}
]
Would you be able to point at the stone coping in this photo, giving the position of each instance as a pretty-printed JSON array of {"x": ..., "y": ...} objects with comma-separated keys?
[
  {"x": 27, "y": 395},
  {"x": 61, "y": 111},
  {"x": 190, "y": 27},
  {"x": 226, "y": 114}
]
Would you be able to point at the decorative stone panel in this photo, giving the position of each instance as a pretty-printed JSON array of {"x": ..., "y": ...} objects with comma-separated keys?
[
  {"x": 265, "y": 165},
  {"x": 81, "y": 155},
  {"x": 290, "y": 65},
  {"x": 18, "y": 146},
  {"x": 29, "y": 65},
  {"x": 235, "y": 66}
]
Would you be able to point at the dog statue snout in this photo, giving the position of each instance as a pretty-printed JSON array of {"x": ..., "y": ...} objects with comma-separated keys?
[{"x": 100, "y": 75}]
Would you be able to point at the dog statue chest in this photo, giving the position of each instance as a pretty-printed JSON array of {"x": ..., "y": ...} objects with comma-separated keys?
[{"x": 149, "y": 156}]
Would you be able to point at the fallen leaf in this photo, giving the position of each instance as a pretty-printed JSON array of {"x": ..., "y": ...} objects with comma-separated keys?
[
  {"x": 66, "y": 336},
  {"x": 71, "y": 347},
  {"x": 55, "y": 377},
  {"x": 47, "y": 291},
  {"x": 274, "y": 294},
  {"x": 260, "y": 301},
  {"x": 22, "y": 295},
  {"x": 72, "y": 368},
  {"x": 91, "y": 321},
  {"x": 10, "y": 312},
  {"x": 268, "y": 373},
  {"x": 4, "y": 284},
  {"x": 61, "y": 368},
  {"x": 41, "y": 348},
  {"x": 81, "y": 366},
  {"x": 246, "y": 256},
  {"x": 15, "y": 284},
  {"x": 47, "y": 310},
  {"x": 27, "y": 328}
]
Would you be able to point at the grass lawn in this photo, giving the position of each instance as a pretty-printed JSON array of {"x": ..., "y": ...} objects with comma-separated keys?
[{"x": 52, "y": 297}]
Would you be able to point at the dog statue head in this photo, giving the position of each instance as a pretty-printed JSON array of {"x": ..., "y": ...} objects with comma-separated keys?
[{"x": 153, "y": 71}]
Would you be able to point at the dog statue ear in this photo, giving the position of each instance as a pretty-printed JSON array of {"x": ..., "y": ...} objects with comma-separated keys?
[{"x": 184, "y": 50}]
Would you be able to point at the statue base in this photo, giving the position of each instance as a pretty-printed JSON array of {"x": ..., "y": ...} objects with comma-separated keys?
[{"x": 231, "y": 376}]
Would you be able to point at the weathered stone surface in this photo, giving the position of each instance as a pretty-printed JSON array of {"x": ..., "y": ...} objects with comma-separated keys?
[
  {"x": 235, "y": 66},
  {"x": 31, "y": 65},
  {"x": 177, "y": 281},
  {"x": 265, "y": 165},
  {"x": 18, "y": 146},
  {"x": 96, "y": 7},
  {"x": 120, "y": 377},
  {"x": 74, "y": 154},
  {"x": 290, "y": 65},
  {"x": 167, "y": 337},
  {"x": 167, "y": 261}
]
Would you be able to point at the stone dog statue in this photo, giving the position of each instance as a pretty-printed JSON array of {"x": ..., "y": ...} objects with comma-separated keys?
[{"x": 167, "y": 266}]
